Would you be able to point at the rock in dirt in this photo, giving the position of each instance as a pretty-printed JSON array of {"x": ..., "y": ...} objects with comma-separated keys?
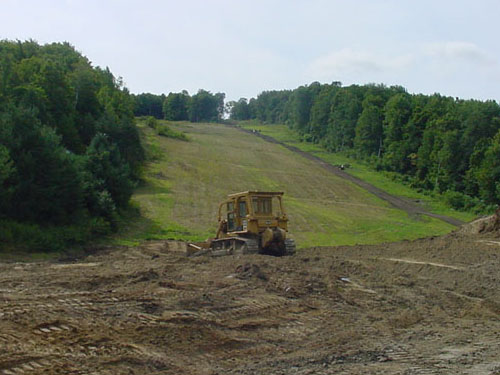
[
  {"x": 483, "y": 225},
  {"x": 249, "y": 270}
]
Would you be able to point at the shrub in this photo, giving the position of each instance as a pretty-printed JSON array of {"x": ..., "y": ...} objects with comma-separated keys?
[
  {"x": 455, "y": 199},
  {"x": 151, "y": 122},
  {"x": 166, "y": 131}
]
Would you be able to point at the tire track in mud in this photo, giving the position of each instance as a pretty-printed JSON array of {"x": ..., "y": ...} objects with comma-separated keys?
[
  {"x": 29, "y": 367},
  {"x": 56, "y": 345},
  {"x": 92, "y": 304},
  {"x": 398, "y": 202},
  {"x": 412, "y": 363},
  {"x": 60, "y": 348}
]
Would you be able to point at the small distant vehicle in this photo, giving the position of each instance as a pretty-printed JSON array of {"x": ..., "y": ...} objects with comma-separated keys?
[{"x": 250, "y": 222}]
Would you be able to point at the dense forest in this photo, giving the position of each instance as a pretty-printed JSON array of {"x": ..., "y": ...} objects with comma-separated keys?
[
  {"x": 434, "y": 143},
  {"x": 201, "y": 107},
  {"x": 70, "y": 153}
]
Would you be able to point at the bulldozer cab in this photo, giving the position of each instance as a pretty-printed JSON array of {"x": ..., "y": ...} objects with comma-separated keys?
[{"x": 252, "y": 212}]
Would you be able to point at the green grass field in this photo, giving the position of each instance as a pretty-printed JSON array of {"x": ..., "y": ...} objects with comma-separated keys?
[
  {"x": 185, "y": 181},
  {"x": 361, "y": 170}
]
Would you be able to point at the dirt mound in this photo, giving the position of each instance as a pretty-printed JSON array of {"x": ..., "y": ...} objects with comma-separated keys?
[{"x": 485, "y": 225}]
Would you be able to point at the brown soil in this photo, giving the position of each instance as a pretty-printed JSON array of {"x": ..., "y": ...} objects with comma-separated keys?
[
  {"x": 430, "y": 306},
  {"x": 401, "y": 203},
  {"x": 489, "y": 225}
]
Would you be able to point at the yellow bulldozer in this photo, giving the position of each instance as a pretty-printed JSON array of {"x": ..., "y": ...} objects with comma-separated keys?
[{"x": 250, "y": 222}]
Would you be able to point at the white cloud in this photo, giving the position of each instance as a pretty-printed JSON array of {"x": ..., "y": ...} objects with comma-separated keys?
[
  {"x": 461, "y": 51},
  {"x": 348, "y": 62}
]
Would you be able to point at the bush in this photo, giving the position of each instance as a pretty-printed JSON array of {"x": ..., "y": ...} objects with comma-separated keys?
[
  {"x": 151, "y": 122},
  {"x": 166, "y": 131},
  {"x": 455, "y": 199},
  {"x": 465, "y": 202}
]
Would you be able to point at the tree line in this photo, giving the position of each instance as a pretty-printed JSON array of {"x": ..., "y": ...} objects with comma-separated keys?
[
  {"x": 432, "y": 142},
  {"x": 200, "y": 107},
  {"x": 70, "y": 152}
]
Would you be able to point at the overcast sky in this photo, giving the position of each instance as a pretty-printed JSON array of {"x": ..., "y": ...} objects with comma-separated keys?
[{"x": 243, "y": 47}]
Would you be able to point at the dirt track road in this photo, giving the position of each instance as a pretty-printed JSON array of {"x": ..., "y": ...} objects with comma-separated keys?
[
  {"x": 403, "y": 204},
  {"x": 425, "y": 307}
]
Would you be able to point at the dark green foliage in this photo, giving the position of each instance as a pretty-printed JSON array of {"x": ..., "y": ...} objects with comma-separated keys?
[
  {"x": 270, "y": 107},
  {"x": 437, "y": 143},
  {"x": 397, "y": 114},
  {"x": 201, "y": 107},
  {"x": 175, "y": 106},
  {"x": 301, "y": 103},
  {"x": 69, "y": 148},
  {"x": 149, "y": 105},
  {"x": 488, "y": 173},
  {"x": 6, "y": 165},
  {"x": 239, "y": 110},
  {"x": 109, "y": 171},
  {"x": 125, "y": 135},
  {"x": 344, "y": 113},
  {"x": 206, "y": 107},
  {"x": 320, "y": 111},
  {"x": 369, "y": 130},
  {"x": 46, "y": 185},
  {"x": 7, "y": 170}
]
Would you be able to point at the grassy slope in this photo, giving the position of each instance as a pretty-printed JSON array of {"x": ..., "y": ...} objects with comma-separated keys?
[
  {"x": 186, "y": 183},
  {"x": 361, "y": 170}
]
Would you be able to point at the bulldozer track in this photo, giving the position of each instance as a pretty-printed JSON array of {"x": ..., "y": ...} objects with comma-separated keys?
[
  {"x": 412, "y": 363},
  {"x": 252, "y": 307},
  {"x": 252, "y": 247},
  {"x": 31, "y": 367},
  {"x": 20, "y": 308}
]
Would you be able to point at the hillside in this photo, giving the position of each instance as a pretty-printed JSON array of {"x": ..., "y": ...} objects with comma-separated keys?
[
  {"x": 188, "y": 179},
  {"x": 428, "y": 306}
]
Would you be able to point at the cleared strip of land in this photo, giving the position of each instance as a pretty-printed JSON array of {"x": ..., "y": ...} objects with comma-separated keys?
[{"x": 186, "y": 182}]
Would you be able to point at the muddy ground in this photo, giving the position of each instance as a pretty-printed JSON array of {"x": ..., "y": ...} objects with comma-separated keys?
[{"x": 430, "y": 306}]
